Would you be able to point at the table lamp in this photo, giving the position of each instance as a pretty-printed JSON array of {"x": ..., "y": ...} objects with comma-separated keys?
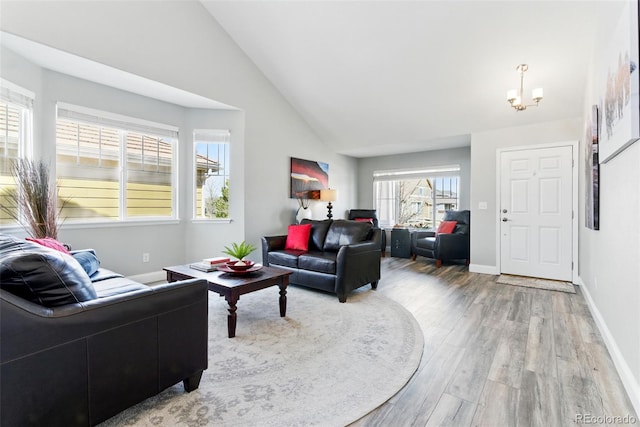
[{"x": 328, "y": 195}]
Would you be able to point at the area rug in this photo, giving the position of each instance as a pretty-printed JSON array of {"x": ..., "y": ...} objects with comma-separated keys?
[
  {"x": 325, "y": 363},
  {"x": 533, "y": 282}
]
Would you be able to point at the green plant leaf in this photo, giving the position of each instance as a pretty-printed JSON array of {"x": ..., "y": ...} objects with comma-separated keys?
[{"x": 239, "y": 251}]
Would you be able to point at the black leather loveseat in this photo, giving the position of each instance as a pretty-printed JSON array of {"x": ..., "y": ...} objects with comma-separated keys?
[
  {"x": 342, "y": 256},
  {"x": 76, "y": 350}
]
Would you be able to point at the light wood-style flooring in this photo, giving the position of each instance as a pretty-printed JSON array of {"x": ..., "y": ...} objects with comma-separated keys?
[{"x": 497, "y": 355}]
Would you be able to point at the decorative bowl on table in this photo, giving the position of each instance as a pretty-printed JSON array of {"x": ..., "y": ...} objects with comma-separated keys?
[{"x": 233, "y": 265}]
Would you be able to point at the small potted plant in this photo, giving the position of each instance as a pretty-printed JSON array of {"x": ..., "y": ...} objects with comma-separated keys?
[{"x": 239, "y": 251}]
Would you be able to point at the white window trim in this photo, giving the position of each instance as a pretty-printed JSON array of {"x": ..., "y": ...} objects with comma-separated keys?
[
  {"x": 204, "y": 133},
  {"x": 406, "y": 174},
  {"x": 92, "y": 116},
  {"x": 17, "y": 95}
]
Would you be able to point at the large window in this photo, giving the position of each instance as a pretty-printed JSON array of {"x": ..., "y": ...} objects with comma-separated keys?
[
  {"x": 16, "y": 106},
  {"x": 416, "y": 198},
  {"x": 112, "y": 167},
  {"x": 211, "y": 160}
]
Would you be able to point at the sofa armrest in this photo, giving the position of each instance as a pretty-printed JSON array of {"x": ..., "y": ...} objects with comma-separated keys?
[
  {"x": 452, "y": 246},
  {"x": 272, "y": 243}
]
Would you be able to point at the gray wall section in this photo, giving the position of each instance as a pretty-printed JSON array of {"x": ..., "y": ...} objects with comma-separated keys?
[
  {"x": 609, "y": 264},
  {"x": 426, "y": 159},
  {"x": 484, "y": 146}
]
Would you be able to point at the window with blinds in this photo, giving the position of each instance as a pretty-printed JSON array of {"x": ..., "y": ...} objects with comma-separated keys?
[
  {"x": 416, "y": 198},
  {"x": 16, "y": 107},
  {"x": 111, "y": 167},
  {"x": 211, "y": 164}
]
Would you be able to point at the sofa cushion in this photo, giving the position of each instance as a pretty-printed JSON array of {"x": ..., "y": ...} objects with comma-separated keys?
[
  {"x": 322, "y": 262},
  {"x": 344, "y": 232},
  {"x": 45, "y": 276},
  {"x": 116, "y": 286},
  {"x": 285, "y": 258},
  {"x": 298, "y": 237},
  {"x": 426, "y": 243},
  {"x": 318, "y": 233}
]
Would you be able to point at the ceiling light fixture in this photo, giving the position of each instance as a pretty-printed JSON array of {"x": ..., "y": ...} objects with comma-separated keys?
[{"x": 515, "y": 97}]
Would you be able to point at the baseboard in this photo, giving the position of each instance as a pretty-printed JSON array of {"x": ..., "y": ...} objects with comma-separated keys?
[
  {"x": 630, "y": 383},
  {"x": 484, "y": 269},
  {"x": 154, "y": 276}
]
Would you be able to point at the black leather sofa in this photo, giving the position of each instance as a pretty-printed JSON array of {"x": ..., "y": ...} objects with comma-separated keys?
[
  {"x": 445, "y": 247},
  {"x": 79, "y": 363},
  {"x": 343, "y": 255}
]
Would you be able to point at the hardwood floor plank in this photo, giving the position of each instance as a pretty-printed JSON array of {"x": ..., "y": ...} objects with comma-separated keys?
[
  {"x": 498, "y": 406},
  {"x": 471, "y": 374},
  {"x": 508, "y": 363},
  {"x": 451, "y": 412},
  {"x": 519, "y": 356},
  {"x": 538, "y": 402},
  {"x": 520, "y": 310},
  {"x": 540, "y": 354},
  {"x": 579, "y": 395}
]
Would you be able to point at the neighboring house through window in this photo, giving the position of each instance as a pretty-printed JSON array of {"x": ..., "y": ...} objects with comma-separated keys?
[
  {"x": 211, "y": 164},
  {"x": 16, "y": 111},
  {"x": 416, "y": 198},
  {"x": 112, "y": 167}
]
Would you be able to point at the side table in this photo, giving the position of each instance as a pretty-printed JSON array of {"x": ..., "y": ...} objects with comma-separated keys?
[{"x": 400, "y": 243}]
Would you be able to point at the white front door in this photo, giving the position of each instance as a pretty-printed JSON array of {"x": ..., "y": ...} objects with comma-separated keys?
[{"x": 536, "y": 213}]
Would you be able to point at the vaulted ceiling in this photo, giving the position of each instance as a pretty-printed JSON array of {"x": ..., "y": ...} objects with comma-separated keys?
[{"x": 380, "y": 77}]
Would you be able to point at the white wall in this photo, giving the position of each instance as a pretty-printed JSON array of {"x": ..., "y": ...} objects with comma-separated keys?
[
  {"x": 610, "y": 257},
  {"x": 181, "y": 45},
  {"x": 425, "y": 159},
  {"x": 484, "y": 146}
]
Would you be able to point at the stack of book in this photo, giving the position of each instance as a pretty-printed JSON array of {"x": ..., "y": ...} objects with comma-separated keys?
[{"x": 209, "y": 264}]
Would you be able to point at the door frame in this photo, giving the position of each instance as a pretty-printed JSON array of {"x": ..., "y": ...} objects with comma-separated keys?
[{"x": 575, "y": 157}]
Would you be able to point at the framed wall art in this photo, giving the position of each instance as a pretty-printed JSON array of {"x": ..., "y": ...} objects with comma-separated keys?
[
  {"x": 592, "y": 172},
  {"x": 308, "y": 177},
  {"x": 619, "y": 104}
]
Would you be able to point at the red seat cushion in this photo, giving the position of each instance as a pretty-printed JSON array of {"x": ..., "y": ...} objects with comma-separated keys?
[
  {"x": 446, "y": 227},
  {"x": 298, "y": 237}
]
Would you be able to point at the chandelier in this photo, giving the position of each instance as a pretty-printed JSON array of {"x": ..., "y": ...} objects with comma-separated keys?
[{"x": 515, "y": 97}]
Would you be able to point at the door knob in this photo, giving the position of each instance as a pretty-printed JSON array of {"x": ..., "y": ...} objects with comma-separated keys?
[{"x": 505, "y": 219}]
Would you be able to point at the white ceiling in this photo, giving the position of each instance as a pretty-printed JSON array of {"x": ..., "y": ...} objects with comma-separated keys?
[{"x": 381, "y": 77}]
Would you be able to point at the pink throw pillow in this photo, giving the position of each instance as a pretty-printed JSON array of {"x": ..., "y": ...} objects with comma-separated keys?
[{"x": 50, "y": 243}]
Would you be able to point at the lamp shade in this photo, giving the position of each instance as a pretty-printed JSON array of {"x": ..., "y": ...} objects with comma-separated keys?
[{"x": 328, "y": 195}]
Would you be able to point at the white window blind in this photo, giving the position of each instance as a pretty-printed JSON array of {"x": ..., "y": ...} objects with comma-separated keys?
[{"x": 111, "y": 120}]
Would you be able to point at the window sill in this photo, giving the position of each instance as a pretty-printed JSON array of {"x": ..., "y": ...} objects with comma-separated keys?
[
  {"x": 212, "y": 221},
  {"x": 109, "y": 224}
]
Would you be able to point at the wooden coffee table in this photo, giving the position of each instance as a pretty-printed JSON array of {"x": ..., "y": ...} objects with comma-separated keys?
[{"x": 231, "y": 286}]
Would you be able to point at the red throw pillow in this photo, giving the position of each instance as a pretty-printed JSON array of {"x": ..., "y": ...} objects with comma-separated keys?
[
  {"x": 446, "y": 227},
  {"x": 364, "y": 220},
  {"x": 50, "y": 243},
  {"x": 298, "y": 237}
]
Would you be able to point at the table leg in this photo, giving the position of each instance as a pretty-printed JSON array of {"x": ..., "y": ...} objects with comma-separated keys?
[
  {"x": 283, "y": 299},
  {"x": 232, "y": 317}
]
